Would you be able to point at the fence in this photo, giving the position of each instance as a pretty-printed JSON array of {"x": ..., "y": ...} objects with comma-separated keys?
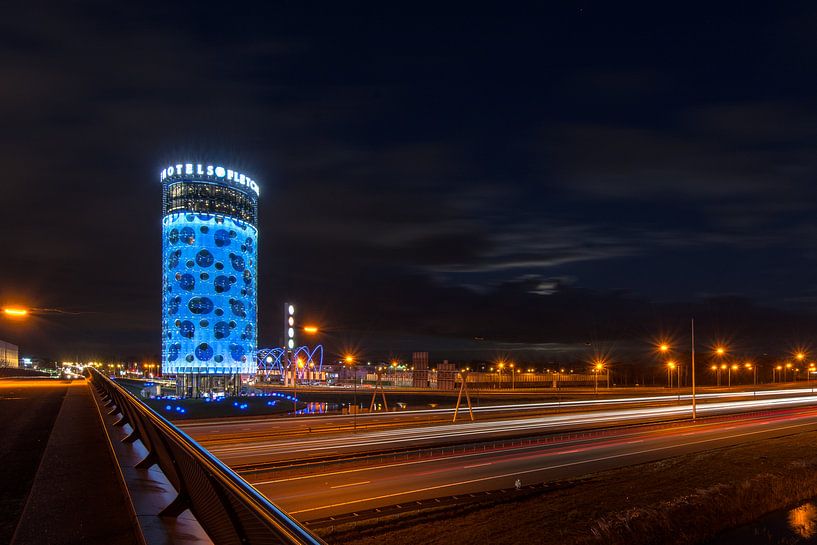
[{"x": 230, "y": 510}]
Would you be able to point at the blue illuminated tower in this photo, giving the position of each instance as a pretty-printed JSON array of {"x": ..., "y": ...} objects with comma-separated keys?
[{"x": 209, "y": 264}]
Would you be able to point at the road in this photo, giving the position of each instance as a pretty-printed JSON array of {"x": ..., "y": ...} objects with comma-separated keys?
[
  {"x": 245, "y": 451},
  {"x": 29, "y": 408},
  {"x": 242, "y": 429},
  {"x": 310, "y": 497}
]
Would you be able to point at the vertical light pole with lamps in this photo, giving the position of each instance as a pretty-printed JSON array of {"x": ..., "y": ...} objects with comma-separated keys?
[
  {"x": 672, "y": 366},
  {"x": 753, "y": 368},
  {"x": 800, "y": 357},
  {"x": 663, "y": 350},
  {"x": 299, "y": 365},
  {"x": 598, "y": 367},
  {"x": 350, "y": 361},
  {"x": 720, "y": 352}
]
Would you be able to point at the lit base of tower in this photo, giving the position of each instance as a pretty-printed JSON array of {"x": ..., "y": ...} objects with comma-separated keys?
[{"x": 212, "y": 386}]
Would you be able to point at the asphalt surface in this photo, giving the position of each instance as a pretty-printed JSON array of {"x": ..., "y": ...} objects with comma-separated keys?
[
  {"x": 247, "y": 448},
  {"x": 242, "y": 429},
  {"x": 29, "y": 409},
  {"x": 58, "y": 479},
  {"x": 310, "y": 497}
]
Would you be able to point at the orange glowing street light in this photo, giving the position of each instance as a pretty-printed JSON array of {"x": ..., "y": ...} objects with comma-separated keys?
[
  {"x": 15, "y": 312},
  {"x": 311, "y": 329},
  {"x": 720, "y": 350},
  {"x": 663, "y": 347},
  {"x": 800, "y": 356}
]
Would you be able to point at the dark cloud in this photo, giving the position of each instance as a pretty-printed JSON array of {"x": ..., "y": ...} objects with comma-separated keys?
[{"x": 546, "y": 178}]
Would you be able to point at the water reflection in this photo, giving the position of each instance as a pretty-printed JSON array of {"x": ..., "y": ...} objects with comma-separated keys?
[{"x": 317, "y": 407}]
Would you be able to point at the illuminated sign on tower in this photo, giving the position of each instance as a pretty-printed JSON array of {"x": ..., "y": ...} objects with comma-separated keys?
[{"x": 209, "y": 264}]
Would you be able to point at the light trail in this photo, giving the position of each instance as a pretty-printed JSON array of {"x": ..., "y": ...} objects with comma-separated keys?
[
  {"x": 465, "y": 432},
  {"x": 515, "y": 474},
  {"x": 500, "y": 456},
  {"x": 668, "y": 398}
]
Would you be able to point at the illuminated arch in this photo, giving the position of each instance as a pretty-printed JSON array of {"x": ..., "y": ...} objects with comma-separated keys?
[{"x": 273, "y": 361}]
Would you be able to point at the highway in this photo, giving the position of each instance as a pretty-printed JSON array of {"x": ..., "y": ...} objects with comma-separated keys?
[
  {"x": 244, "y": 451},
  {"x": 310, "y": 497},
  {"x": 240, "y": 429}
]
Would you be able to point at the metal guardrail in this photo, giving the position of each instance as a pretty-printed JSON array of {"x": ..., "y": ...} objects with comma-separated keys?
[{"x": 227, "y": 507}]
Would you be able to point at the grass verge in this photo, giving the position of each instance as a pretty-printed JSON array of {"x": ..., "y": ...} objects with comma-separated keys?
[{"x": 681, "y": 500}]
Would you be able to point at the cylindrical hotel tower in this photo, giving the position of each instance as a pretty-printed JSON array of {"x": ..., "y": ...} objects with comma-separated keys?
[{"x": 209, "y": 263}]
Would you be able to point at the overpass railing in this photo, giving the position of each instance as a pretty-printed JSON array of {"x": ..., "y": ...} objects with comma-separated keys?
[{"x": 227, "y": 507}]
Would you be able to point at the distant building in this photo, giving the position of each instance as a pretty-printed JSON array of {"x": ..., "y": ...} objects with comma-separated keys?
[
  {"x": 446, "y": 373},
  {"x": 9, "y": 355},
  {"x": 210, "y": 259},
  {"x": 419, "y": 360}
]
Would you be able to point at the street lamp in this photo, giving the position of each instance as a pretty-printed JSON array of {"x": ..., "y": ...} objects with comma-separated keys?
[
  {"x": 733, "y": 367},
  {"x": 670, "y": 368},
  {"x": 15, "y": 312},
  {"x": 597, "y": 368},
  {"x": 752, "y": 368},
  {"x": 350, "y": 361},
  {"x": 513, "y": 377},
  {"x": 499, "y": 367},
  {"x": 299, "y": 365},
  {"x": 788, "y": 366}
]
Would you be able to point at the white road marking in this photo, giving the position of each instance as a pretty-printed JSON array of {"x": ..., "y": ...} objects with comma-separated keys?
[
  {"x": 535, "y": 470},
  {"x": 350, "y": 484}
]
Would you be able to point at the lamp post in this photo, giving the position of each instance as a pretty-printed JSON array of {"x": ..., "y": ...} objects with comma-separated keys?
[
  {"x": 692, "y": 364},
  {"x": 733, "y": 367},
  {"x": 350, "y": 361},
  {"x": 753, "y": 368},
  {"x": 598, "y": 367},
  {"x": 299, "y": 364},
  {"x": 720, "y": 352},
  {"x": 513, "y": 377},
  {"x": 800, "y": 356},
  {"x": 785, "y": 372},
  {"x": 671, "y": 366},
  {"x": 499, "y": 368},
  {"x": 717, "y": 375}
]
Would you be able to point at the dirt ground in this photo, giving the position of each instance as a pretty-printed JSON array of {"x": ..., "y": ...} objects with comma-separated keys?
[{"x": 686, "y": 499}]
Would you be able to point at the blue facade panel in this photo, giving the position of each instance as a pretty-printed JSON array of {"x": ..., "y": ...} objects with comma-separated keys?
[{"x": 209, "y": 265}]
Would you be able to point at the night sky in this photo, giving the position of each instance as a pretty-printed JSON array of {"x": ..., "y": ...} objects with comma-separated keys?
[{"x": 469, "y": 183}]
